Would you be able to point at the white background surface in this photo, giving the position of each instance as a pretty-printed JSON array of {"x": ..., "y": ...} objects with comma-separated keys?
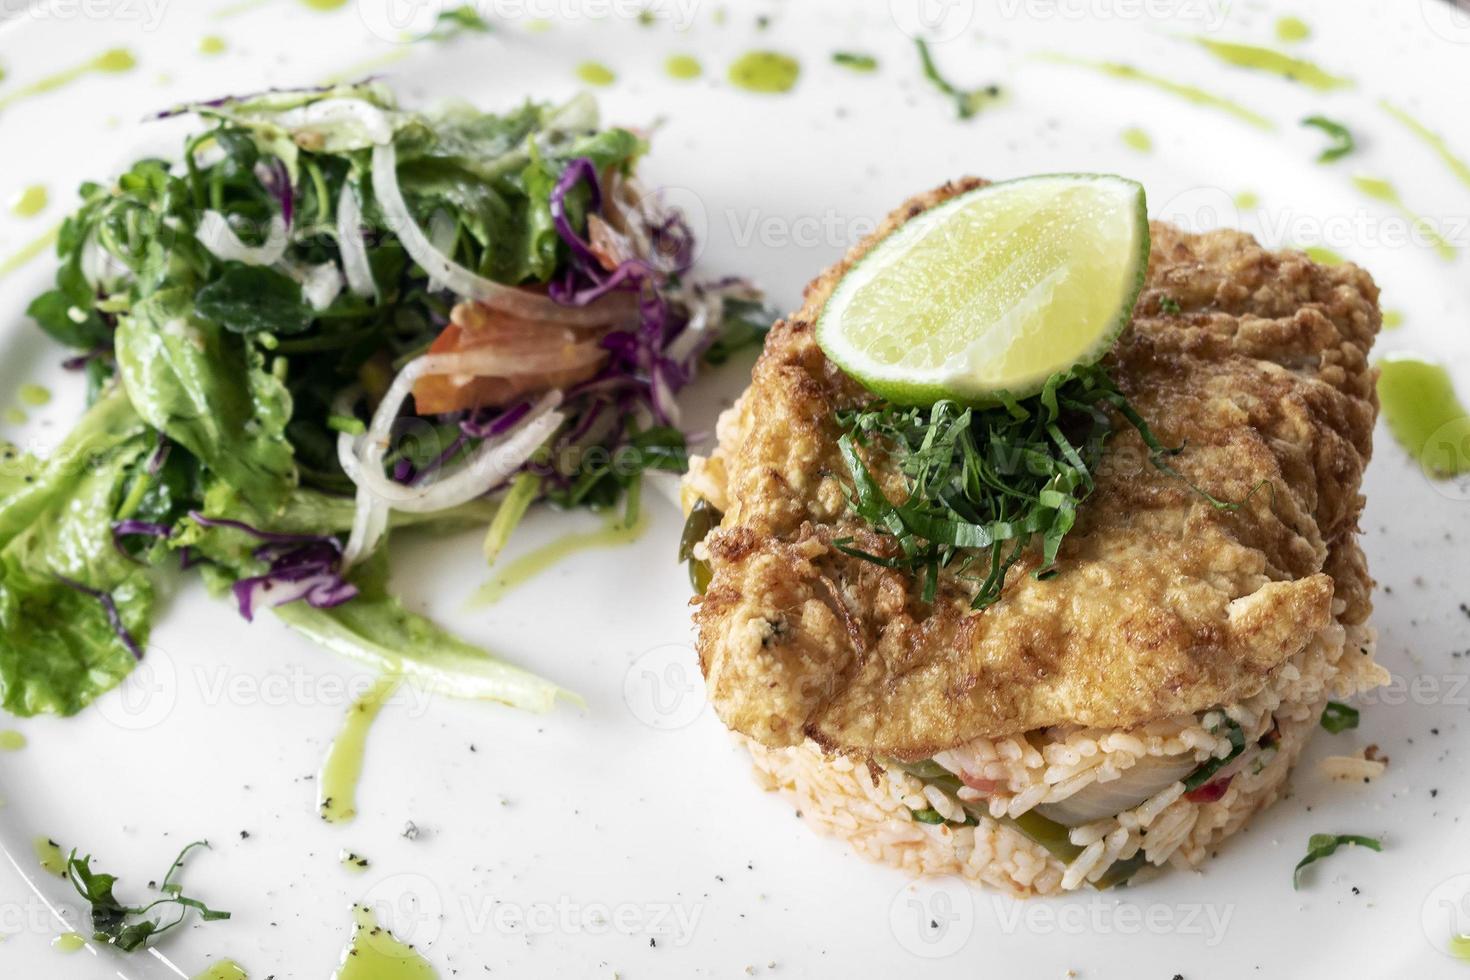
[{"x": 628, "y": 840}]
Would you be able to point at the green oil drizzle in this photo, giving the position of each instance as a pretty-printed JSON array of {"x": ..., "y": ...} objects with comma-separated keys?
[
  {"x": 212, "y": 44},
  {"x": 683, "y": 66},
  {"x": 596, "y": 73},
  {"x": 538, "y": 25},
  {"x": 223, "y": 970},
  {"x": 324, "y": 4},
  {"x": 1322, "y": 255},
  {"x": 373, "y": 954},
  {"x": 236, "y": 9},
  {"x": 1424, "y": 414},
  {"x": 764, "y": 71},
  {"x": 1393, "y": 319},
  {"x": 1189, "y": 93},
  {"x": 615, "y": 531},
  {"x": 112, "y": 61},
  {"x": 15, "y": 416},
  {"x": 1248, "y": 200},
  {"x": 1292, "y": 30},
  {"x": 49, "y": 856},
  {"x": 12, "y": 740},
  {"x": 1274, "y": 63},
  {"x": 1460, "y": 947},
  {"x": 29, "y": 251},
  {"x": 34, "y": 395},
  {"x": 1381, "y": 190},
  {"x": 337, "y": 784},
  {"x": 1139, "y": 140},
  {"x": 1433, "y": 140},
  {"x": 68, "y": 942},
  {"x": 30, "y": 202}
]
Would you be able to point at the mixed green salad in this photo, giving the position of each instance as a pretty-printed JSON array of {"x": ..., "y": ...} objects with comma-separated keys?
[{"x": 334, "y": 317}]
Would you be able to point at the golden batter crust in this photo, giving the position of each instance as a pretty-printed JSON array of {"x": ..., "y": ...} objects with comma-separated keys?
[{"x": 1163, "y": 604}]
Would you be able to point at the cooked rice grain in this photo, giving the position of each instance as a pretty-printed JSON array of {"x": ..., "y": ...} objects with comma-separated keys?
[{"x": 841, "y": 798}]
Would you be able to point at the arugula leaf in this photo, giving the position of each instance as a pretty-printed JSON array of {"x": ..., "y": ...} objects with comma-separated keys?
[
  {"x": 1337, "y": 717},
  {"x": 207, "y": 390},
  {"x": 111, "y": 918},
  {"x": 968, "y": 102},
  {"x": 1343, "y": 142},
  {"x": 253, "y": 299},
  {"x": 1321, "y": 846}
]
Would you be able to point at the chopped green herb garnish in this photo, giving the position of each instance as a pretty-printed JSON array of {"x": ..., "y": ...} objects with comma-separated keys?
[
  {"x": 1339, "y": 717},
  {"x": 1343, "y": 142},
  {"x": 930, "y": 816},
  {"x": 967, "y": 102},
  {"x": 1320, "y": 846},
  {"x": 855, "y": 60},
  {"x": 1170, "y": 305},
  {"x": 1207, "y": 771},
  {"x": 981, "y": 482},
  {"x": 111, "y": 919}
]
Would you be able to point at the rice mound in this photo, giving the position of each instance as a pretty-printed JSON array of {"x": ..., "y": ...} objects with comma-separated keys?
[{"x": 872, "y": 807}]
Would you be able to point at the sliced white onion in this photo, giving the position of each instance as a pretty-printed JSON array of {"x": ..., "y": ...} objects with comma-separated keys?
[
  {"x": 320, "y": 284},
  {"x": 463, "y": 282},
  {"x": 369, "y": 524},
  {"x": 490, "y": 465},
  {"x": 349, "y": 242},
  {"x": 1150, "y": 776},
  {"x": 703, "y": 311},
  {"x": 215, "y": 234},
  {"x": 441, "y": 236},
  {"x": 374, "y": 122}
]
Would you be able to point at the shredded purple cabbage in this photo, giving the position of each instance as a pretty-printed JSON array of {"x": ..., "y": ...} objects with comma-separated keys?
[
  {"x": 185, "y": 108},
  {"x": 302, "y": 566},
  {"x": 276, "y": 179},
  {"x": 311, "y": 571},
  {"x": 114, "y": 618},
  {"x": 487, "y": 425},
  {"x": 122, "y": 529},
  {"x": 272, "y": 537}
]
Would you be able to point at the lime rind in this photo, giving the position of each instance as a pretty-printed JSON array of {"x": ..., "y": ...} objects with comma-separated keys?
[{"x": 962, "y": 301}]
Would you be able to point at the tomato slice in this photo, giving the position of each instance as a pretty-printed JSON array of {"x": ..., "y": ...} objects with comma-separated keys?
[{"x": 475, "y": 327}]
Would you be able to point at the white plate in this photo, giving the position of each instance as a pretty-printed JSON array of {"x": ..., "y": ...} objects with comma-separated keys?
[{"x": 629, "y": 839}]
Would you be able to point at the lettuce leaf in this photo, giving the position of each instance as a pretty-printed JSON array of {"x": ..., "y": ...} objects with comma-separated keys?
[
  {"x": 58, "y": 647},
  {"x": 208, "y": 390},
  {"x": 375, "y": 628}
]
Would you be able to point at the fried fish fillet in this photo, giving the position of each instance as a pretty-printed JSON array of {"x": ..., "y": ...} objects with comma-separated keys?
[{"x": 1164, "y": 604}]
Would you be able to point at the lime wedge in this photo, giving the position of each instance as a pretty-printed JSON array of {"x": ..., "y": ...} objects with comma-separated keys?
[{"x": 992, "y": 291}]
